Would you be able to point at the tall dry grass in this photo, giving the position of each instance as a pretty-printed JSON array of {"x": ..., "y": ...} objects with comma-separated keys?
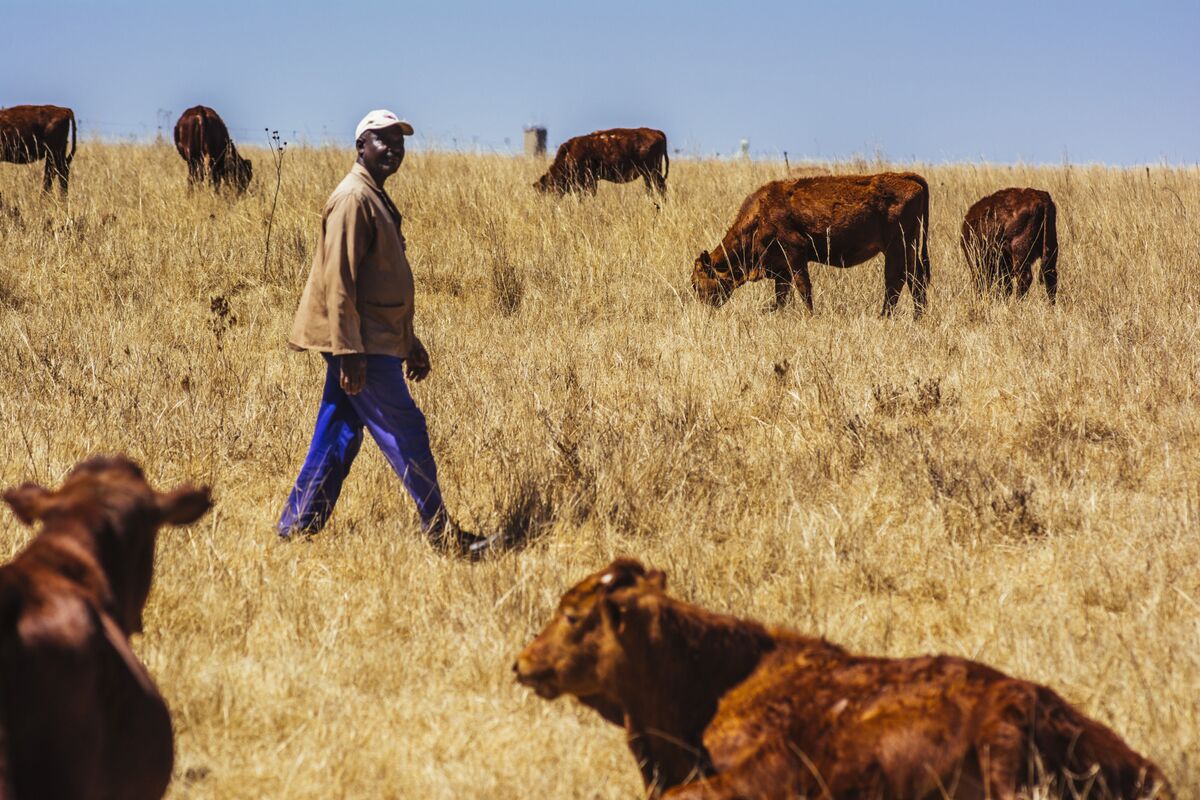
[{"x": 1006, "y": 481}]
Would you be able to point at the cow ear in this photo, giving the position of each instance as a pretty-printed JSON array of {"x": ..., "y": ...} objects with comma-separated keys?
[
  {"x": 614, "y": 611},
  {"x": 28, "y": 501},
  {"x": 621, "y": 573},
  {"x": 658, "y": 579},
  {"x": 705, "y": 258},
  {"x": 184, "y": 505}
]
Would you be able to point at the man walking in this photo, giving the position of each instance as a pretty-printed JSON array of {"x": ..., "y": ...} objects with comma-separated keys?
[{"x": 357, "y": 311}]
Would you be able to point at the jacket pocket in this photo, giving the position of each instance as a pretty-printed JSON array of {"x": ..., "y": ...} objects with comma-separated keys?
[{"x": 386, "y": 328}]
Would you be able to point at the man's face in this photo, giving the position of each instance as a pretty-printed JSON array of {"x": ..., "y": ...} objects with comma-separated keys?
[{"x": 382, "y": 151}]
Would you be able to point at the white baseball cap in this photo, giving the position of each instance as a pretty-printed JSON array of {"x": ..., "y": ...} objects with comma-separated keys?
[{"x": 378, "y": 120}]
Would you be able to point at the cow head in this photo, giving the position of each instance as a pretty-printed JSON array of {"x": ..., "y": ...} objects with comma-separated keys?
[
  {"x": 714, "y": 279},
  {"x": 107, "y": 504},
  {"x": 243, "y": 172},
  {"x": 550, "y": 184},
  {"x": 580, "y": 652}
]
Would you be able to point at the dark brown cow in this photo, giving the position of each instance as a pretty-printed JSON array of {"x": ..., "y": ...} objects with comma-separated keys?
[
  {"x": 619, "y": 155},
  {"x": 1005, "y": 233},
  {"x": 203, "y": 140},
  {"x": 31, "y": 133},
  {"x": 79, "y": 715},
  {"x": 721, "y": 708},
  {"x": 840, "y": 220}
]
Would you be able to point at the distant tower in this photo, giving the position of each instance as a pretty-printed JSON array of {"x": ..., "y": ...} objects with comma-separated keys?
[
  {"x": 744, "y": 149},
  {"x": 535, "y": 141}
]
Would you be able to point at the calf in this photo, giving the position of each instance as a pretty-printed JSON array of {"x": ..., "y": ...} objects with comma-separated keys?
[
  {"x": 840, "y": 220},
  {"x": 79, "y": 715},
  {"x": 31, "y": 133},
  {"x": 203, "y": 141},
  {"x": 718, "y": 707},
  {"x": 1005, "y": 233},
  {"x": 619, "y": 155}
]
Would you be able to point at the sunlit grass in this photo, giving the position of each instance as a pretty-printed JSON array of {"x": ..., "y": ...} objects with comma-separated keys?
[{"x": 1006, "y": 481}]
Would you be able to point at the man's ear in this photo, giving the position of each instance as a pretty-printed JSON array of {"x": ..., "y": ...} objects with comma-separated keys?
[
  {"x": 28, "y": 501},
  {"x": 184, "y": 505}
]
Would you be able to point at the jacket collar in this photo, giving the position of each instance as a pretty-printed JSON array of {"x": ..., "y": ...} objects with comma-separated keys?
[{"x": 361, "y": 171}]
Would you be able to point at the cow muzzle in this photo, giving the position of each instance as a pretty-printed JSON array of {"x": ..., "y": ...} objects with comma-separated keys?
[
  {"x": 709, "y": 290},
  {"x": 540, "y": 679}
]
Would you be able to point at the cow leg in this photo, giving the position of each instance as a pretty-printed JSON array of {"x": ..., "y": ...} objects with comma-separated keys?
[
  {"x": 895, "y": 267},
  {"x": 1006, "y": 272},
  {"x": 195, "y": 172},
  {"x": 801, "y": 282},
  {"x": 1024, "y": 273},
  {"x": 994, "y": 275},
  {"x": 56, "y": 166},
  {"x": 1001, "y": 764},
  {"x": 918, "y": 279},
  {"x": 655, "y": 182},
  {"x": 647, "y": 180},
  {"x": 788, "y": 265},
  {"x": 783, "y": 292},
  {"x": 762, "y": 775},
  {"x": 64, "y": 171},
  {"x": 1050, "y": 275},
  {"x": 1002, "y": 744}
]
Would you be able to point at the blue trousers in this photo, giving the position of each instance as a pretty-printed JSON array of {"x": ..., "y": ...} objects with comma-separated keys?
[{"x": 388, "y": 411}]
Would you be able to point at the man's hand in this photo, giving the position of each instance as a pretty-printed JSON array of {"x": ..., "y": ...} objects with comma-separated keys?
[
  {"x": 417, "y": 366},
  {"x": 354, "y": 372}
]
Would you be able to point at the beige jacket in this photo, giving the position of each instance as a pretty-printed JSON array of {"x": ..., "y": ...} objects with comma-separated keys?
[{"x": 359, "y": 295}]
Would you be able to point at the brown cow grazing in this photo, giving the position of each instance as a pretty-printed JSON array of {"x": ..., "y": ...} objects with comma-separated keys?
[
  {"x": 31, "y": 133},
  {"x": 1004, "y": 233},
  {"x": 619, "y": 155},
  {"x": 79, "y": 715},
  {"x": 718, "y": 707},
  {"x": 840, "y": 220},
  {"x": 203, "y": 140}
]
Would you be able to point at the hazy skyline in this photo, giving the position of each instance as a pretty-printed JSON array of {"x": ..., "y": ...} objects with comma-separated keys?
[{"x": 1092, "y": 82}]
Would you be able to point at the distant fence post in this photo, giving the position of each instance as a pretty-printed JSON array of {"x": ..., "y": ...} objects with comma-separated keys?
[{"x": 535, "y": 141}]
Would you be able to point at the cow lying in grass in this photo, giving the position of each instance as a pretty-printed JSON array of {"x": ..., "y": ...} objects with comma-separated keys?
[
  {"x": 718, "y": 707},
  {"x": 79, "y": 715},
  {"x": 1005, "y": 233},
  {"x": 840, "y": 220}
]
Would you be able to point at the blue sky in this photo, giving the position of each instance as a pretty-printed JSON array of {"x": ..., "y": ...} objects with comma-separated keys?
[{"x": 936, "y": 81}]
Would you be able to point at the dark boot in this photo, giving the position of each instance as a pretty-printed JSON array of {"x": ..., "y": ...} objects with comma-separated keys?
[{"x": 446, "y": 536}]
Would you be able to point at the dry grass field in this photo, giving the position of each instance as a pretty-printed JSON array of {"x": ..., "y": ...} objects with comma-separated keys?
[{"x": 1002, "y": 480}]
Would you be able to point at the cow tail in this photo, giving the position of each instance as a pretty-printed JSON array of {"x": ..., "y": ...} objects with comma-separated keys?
[
  {"x": 74, "y": 128},
  {"x": 666, "y": 160},
  {"x": 1050, "y": 250},
  {"x": 198, "y": 148},
  {"x": 923, "y": 267}
]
